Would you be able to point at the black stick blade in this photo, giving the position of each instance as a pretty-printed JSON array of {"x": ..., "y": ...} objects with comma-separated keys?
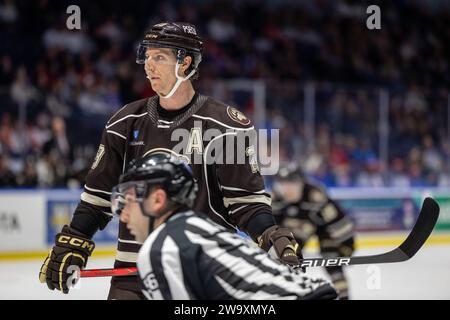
[
  {"x": 422, "y": 229},
  {"x": 419, "y": 234}
]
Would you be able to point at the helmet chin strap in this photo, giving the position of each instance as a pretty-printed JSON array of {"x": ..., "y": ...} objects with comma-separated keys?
[{"x": 179, "y": 81}]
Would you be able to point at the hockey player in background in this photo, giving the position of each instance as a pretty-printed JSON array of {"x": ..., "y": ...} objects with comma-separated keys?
[
  {"x": 306, "y": 209},
  {"x": 186, "y": 255},
  {"x": 233, "y": 195}
]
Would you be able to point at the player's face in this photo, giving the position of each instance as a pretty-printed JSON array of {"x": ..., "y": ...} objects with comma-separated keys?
[
  {"x": 160, "y": 69},
  {"x": 131, "y": 214},
  {"x": 290, "y": 191}
]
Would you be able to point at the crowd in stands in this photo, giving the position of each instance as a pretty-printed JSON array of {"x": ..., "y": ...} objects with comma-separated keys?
[{"x": 58, "y": 86}]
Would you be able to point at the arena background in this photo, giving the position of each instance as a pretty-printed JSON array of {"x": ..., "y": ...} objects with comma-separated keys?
[{"x": 366, "y": 112}]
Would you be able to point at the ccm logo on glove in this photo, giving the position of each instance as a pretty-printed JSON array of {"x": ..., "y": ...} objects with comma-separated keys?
[{"x": 76, "y": 242}]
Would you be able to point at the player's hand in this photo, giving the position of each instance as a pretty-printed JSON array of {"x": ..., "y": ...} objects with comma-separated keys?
[
  {"x": 282, "y": 241},
  {"x": 72, "y": 248}
]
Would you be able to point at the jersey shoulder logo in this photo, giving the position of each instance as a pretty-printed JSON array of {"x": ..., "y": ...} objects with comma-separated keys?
[
  {"x": 237, "y": 116},
  {"x": 98, "y": 156}
]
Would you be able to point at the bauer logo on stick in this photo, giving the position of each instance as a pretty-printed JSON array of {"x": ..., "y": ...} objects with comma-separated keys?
[{"x": 325, "y": 262}]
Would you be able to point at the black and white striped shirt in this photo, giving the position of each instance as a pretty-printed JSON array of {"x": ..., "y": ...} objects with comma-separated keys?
[{"x": 191, "y": 257}]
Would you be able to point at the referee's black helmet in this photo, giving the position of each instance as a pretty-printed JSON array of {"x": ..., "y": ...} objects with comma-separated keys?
[{"x": 160, "y": 169}]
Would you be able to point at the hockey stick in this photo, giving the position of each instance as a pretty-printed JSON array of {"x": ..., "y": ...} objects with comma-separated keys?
[
  {"x": 92, "y": 273},
  {"x": 419, "y": 234}
]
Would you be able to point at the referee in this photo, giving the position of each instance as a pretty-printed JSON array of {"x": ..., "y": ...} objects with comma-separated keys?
[{"x": 185, "y": 255}]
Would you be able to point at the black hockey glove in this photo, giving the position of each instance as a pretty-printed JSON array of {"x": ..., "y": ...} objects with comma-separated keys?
[
  {"x": 282, "y": 241},
  {"x": 72, "y": 248}
]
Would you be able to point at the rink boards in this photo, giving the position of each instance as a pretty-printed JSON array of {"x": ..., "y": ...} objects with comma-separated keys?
[{"x": 30, "y": 219}]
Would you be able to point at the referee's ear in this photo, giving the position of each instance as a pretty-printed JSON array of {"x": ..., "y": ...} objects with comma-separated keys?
[{"x": 159, "y": 200}]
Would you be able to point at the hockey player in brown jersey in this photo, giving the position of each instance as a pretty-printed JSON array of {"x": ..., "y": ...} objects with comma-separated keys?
[
  {"x": 180, "y": 121},
  {"x": 304, "y": 207}
]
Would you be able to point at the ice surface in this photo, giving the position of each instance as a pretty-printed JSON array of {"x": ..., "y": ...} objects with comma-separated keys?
[{"x": 425, "y": 276}]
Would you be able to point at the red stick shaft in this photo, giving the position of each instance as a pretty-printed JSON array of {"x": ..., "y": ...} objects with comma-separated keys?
[{"x": 91, "y": 273}]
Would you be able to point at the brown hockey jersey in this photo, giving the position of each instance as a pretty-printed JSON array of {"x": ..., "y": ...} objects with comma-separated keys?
[{"x": 216, "y": 139}]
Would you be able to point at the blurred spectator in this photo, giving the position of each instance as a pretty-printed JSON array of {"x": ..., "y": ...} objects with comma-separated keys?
[
  {"x": 28, "y": 176},
  {"x": 370, "y": 175},
  {"x": 6, "y": 70},
  {"x": 416, "y": 176},
  {"x": 8, "y": 12},
  {"x": 431, "y": 157},
  {"x": 221, "y": 28},
  {"x": 22, "y": 91},
  {"x": 398, "y": 177},
  {"x": 7, "y": 177},
  {"x": 39, "y": 132},
  {"x": 58, "y": 143}
]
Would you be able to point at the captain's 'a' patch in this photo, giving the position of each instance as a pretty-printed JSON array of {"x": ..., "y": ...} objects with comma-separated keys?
[
  {"x": 98, "y": 156},
  {"x": 237, "y": 116}
]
